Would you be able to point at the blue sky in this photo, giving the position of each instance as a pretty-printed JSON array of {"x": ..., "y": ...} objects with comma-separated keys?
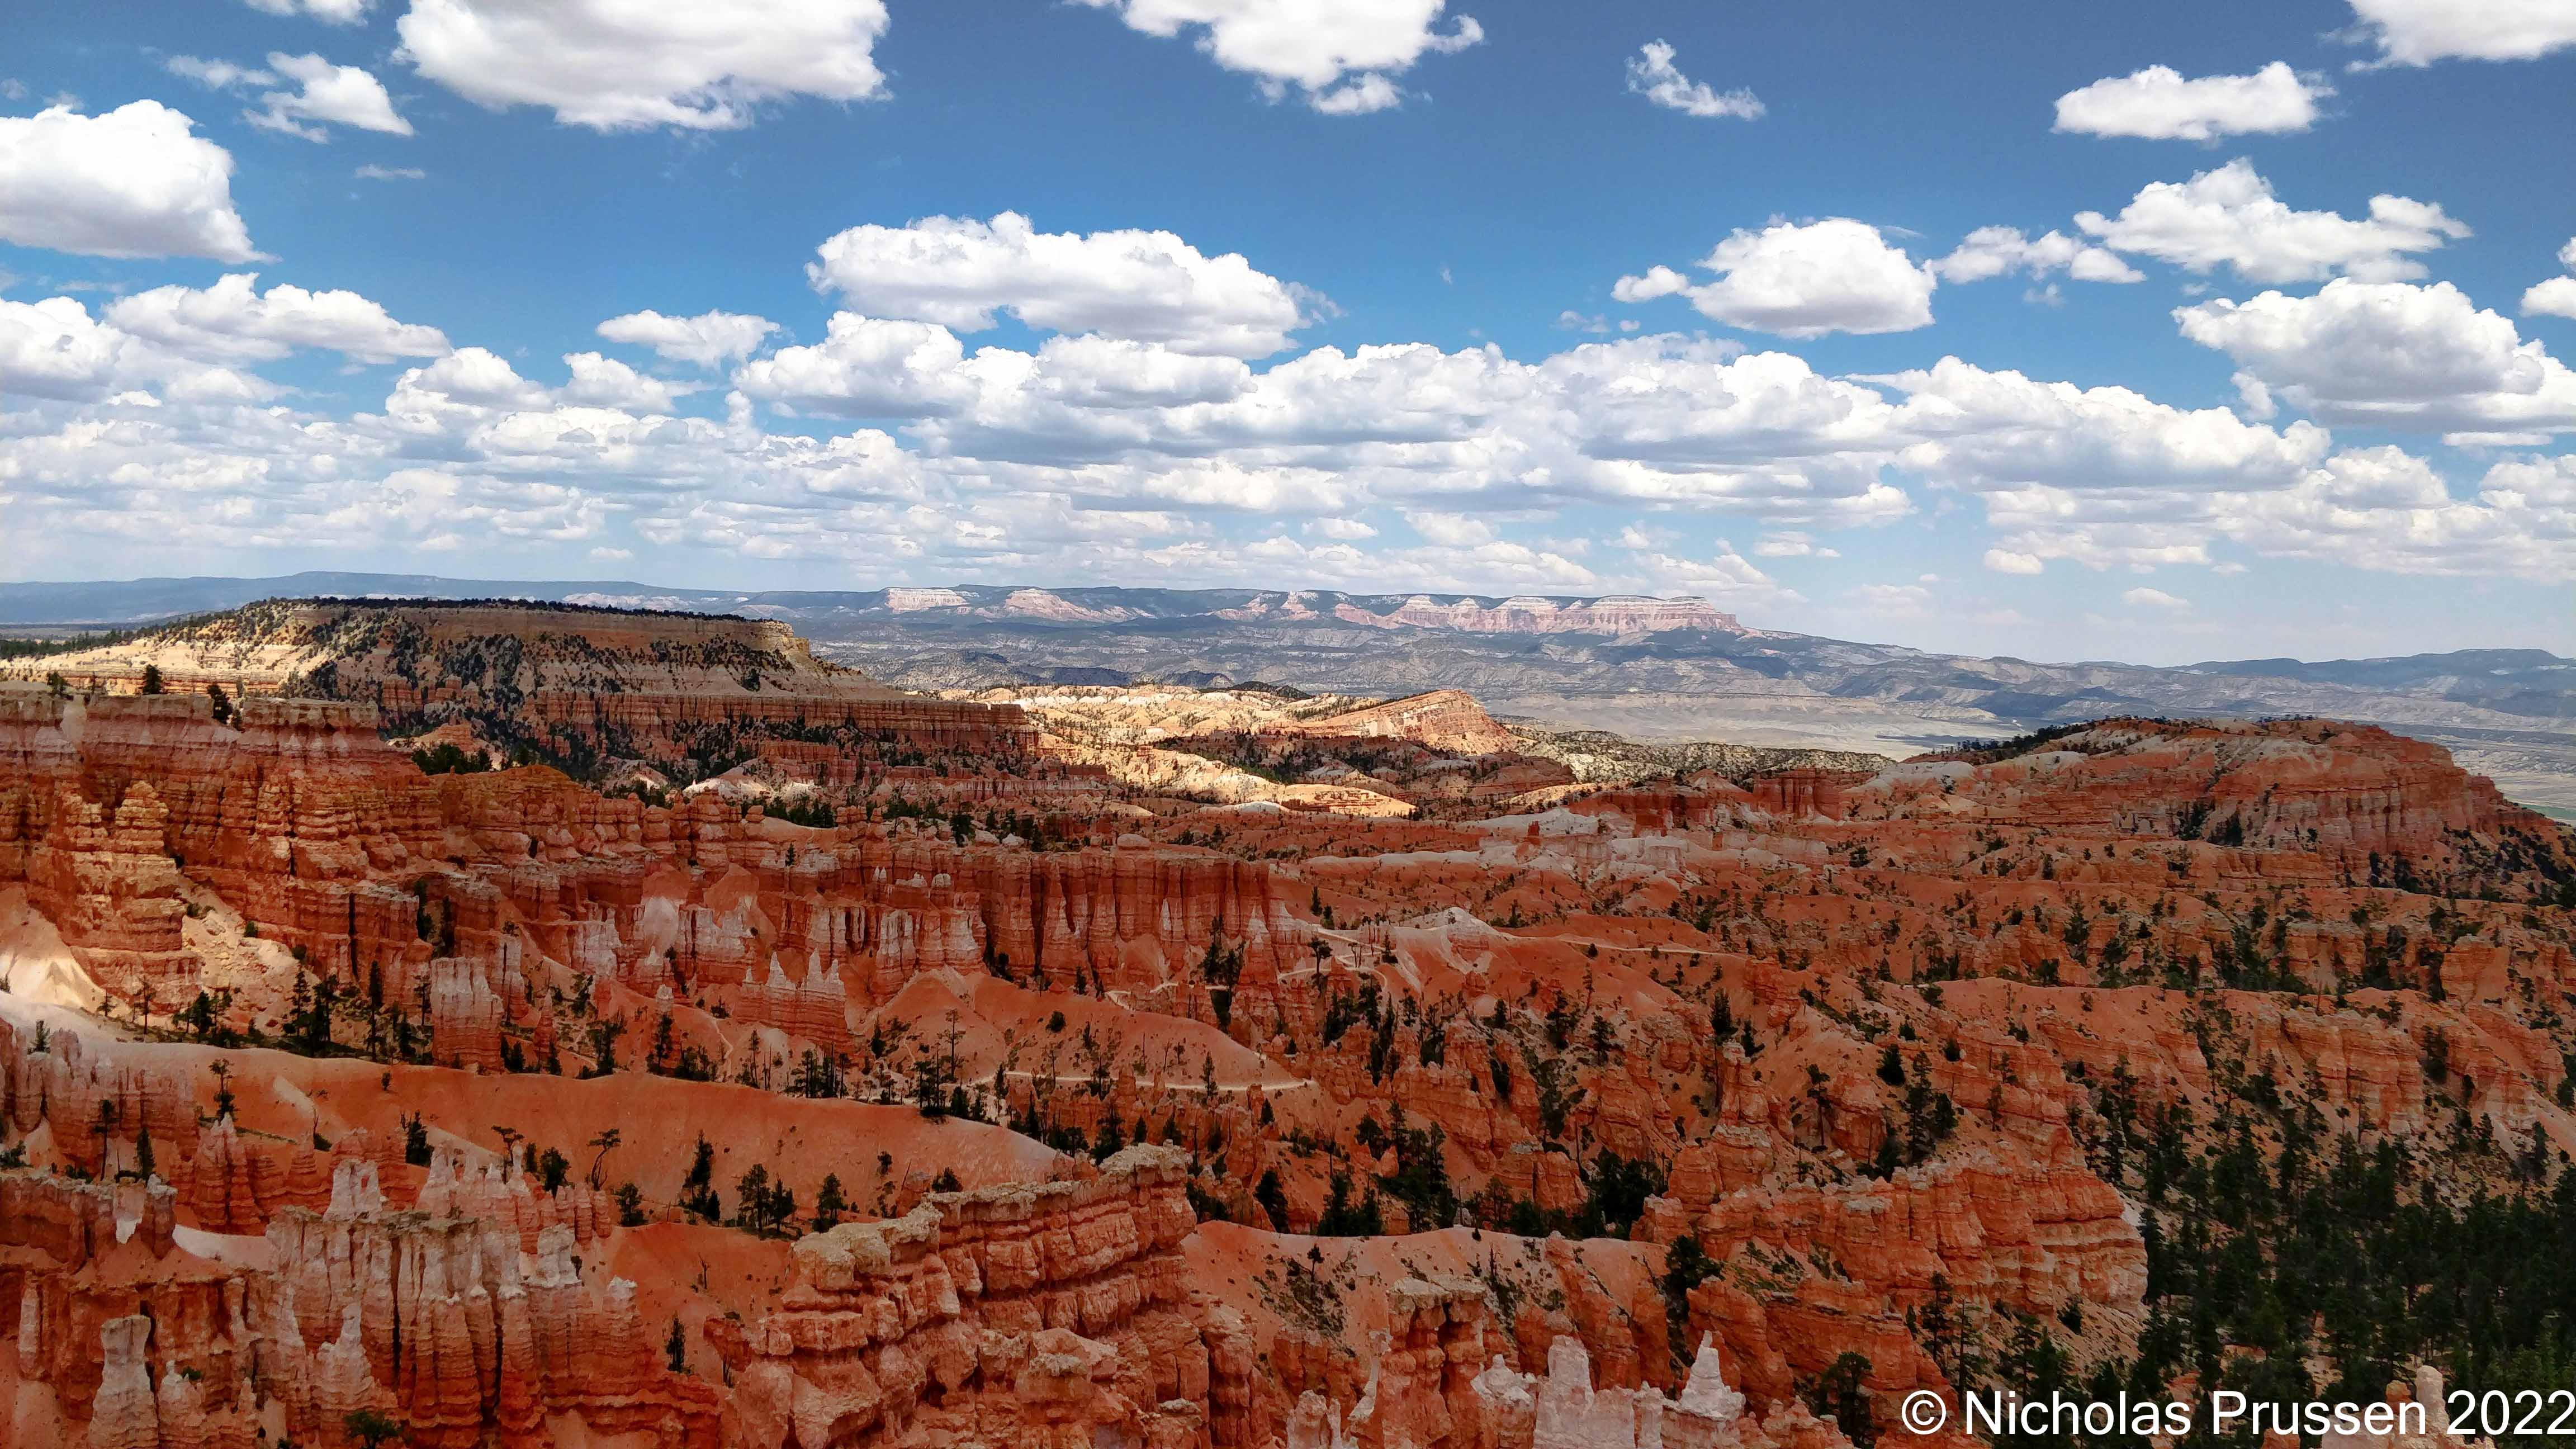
[{"x": 1311, "y": 293}]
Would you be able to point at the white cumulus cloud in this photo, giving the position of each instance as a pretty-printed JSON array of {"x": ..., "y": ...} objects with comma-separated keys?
[
  {"x": 327, "y": 94},
  {"x": 55, "y": 349},
  {"x": 1727, "y": 579},
  {"x": 2229, "y": 217},
  {"x": 2392, "y": 354},
  {"x": 1148, "y": 286},
  {"x": 707, "y": 65},
  {"x": 1652, "y": 74},
  {"x": 1991, "y": 251},
  {"x": 1793, "y": 544},
  {"x": 130, "y": 183},
  {"x": 708, "y": 339},
  {"x": 1802, "y": 280},
  {"x": 2160, "y": 103},
  {"x": 233, "y": 321},
  {"x": 1340, "y": 55},
  {"x": 331, "y": 12},
  {"x": 217, "y": 75},
  {"x": 2555, "y": 297},
  {"x": 2419, "y": 32},
  {"x": 2003, "y": 432},
  {"x": 866, "y": 367},
  {"x": 599, "y": 381}
]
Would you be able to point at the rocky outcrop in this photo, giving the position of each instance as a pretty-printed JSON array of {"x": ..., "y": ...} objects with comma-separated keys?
[
  {"x": 2031, "y": 1236},
  {"x": 1444, "y": 719},
  {"x": 2346, "y": 793},
  {"x": 105, "y": 876},
  {"x": 465, "y": 1015},
  {"x": 645, "y": 681},
  {"x": 1502, "y": 1408},
  {"x": 814, "y": 1007},
  {"x": 444, "y": 1323},
  {"x": 1040, "y": 1314},
  {"x": 99, "y": 1103}
]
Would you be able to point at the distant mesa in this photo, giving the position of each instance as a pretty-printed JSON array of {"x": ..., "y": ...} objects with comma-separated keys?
[{"x": 564, "y": 683}]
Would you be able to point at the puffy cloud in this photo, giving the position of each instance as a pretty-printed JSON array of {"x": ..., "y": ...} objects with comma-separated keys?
[
  {"x": 1452, "y": 529},
  {"x": 2532, "y": 482},
  {"x": 704, "y": 66},
  {"x": 1211, "y": 486},
  {"x": 709, "y": 339},
  {"x": 1802, "y": 280},
  {"x": 55, "y": 349},
  {"x": 339, "y": 95},
  {"x": 2004, "y": 431},
  {"x": 866, "y": 367},
  {"x": 2384, "y": 510},
  {"x": 471, "y": 377},
  {"x": 1705, "y": 406},
  {"x": 1900, "y": 601},
  {"x": 233, "y": 321},
  {"x": 2391, "y": 354},
  {"x": 1359, "y": 96},
  {"x": 2144, "y": 598},
  {"x": 1657, "y": 281},
  {"x": 130, "y": 183},
  {"x": 2555, "y": 297},
  {"x": 445, "y": 511},
  {"x": 2160, "y": 104},
  {"x": 1149, "y": 286},
  {"x": 333, "y": 12},
  {"x": 1341, "y": 57},
  {"x": 1991, "y": 251},
  {"x": 2419, "y": 32},
  {"x": 599, "y": 381},
  {"x": 2376, "y": 478},
  {"x": 2229, "y": 217},
  {"x": 2380, "y": 509},
  {"x": 1112, "y": 373},
  {"x": 1406, "y": 409},
  {"x": 217, "y": 75},
  {"x": 1792, "y": 544},
  {"x": 1652, "y": 74},
  {"x": 1727, "y": 579}
]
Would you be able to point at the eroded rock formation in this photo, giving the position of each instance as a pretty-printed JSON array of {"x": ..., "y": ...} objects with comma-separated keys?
[{"x": 911, "y": 1081}]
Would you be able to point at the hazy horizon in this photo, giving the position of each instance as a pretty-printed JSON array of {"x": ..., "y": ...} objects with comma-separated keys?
[{"x": 648, "y": 594}]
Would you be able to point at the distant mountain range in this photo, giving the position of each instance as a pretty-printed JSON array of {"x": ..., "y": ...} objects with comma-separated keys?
[
  {"x": 1643, "y": 667},
  {"x": 136, "y": 601}
]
